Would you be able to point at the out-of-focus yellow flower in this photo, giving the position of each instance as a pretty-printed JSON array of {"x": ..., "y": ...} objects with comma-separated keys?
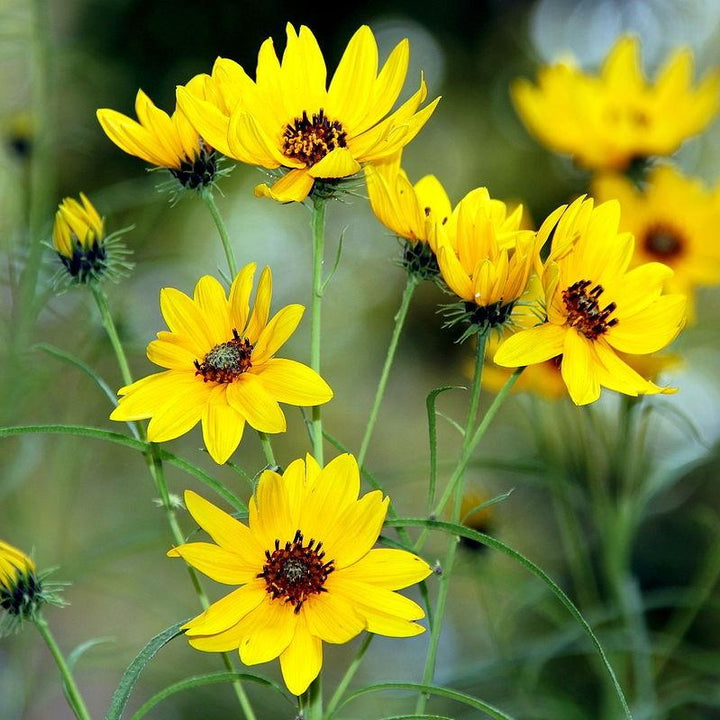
[
  {"x": 220, "y": 366},
  {"x": 606, "y": 121},
  {"x": 307, "y": 569},
  {"x": 675, "y": 220},
  {"x": 485, "y": 259},
  {"x": 595, "y": 307},
  {"x": 78, "y": 228},
  {"x": 288, "y": 119},
  {"x": 167, "y": 141}
]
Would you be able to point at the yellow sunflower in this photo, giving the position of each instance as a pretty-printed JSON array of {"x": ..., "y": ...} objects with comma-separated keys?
[
  {"x": 289, "y": 119},
  {"x": 675, "y": 221},
  {"x": 220, "y": 366},
  {"x": 307, "y": 570},
  {"x": 596, "y": 307},
  {"x": 20, "y": 588},
  {"x": 166, "y": 141},
  {"x": 485, "y": 259},
  {"x": 606, "y": 121}
]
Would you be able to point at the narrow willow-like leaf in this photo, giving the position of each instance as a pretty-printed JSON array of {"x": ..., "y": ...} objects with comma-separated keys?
[
  {"x": 432, "y": 435},
  {"x": 83, "y": 366},
  {"x": 462, "y": 531},
  {"x": 141, "y": 445},
  {"x": 455, "y": 695},
  {"x": 336, "y": 264},
  {"x": 81, "y": 649},
  {"x": 417, "y": 717},
  {"x": 493, "y": 501},
  {"x": 131, "y": 675},
  {"x": 199, "y": 681}
]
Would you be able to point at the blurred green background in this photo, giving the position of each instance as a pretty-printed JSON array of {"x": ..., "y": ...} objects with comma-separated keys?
[{"x": 87, "y": 507}]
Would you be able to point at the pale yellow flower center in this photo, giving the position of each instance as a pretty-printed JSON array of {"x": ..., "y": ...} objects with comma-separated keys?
[
  {"x": 584, "y": 313},
  {"x": 296, "y": 571},
  {"x": 663, "y": 242},
  {"x": 226, "y": 361},
  {"x": 310, "y": 140}
]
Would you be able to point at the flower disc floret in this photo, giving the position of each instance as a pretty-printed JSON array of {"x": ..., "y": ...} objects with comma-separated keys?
[
  {"x": 595, "y": 308},
  {"x": 221, "y": 370},
  {"x": 289, "y": 120},
  {"x": 306, "y": 568}
]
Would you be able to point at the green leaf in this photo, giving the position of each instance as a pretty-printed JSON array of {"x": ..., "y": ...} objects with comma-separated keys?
[
  {"x": 81, "y": 649},
  {"x": 462, "y": 531},
  {"x": 497, "y": 499},
  {"x": 141, "y": 445},
  {"x": 131, "y": 675},
  {"x": 417, "y": 717},
  {"x": 201, "y": 680},
  {"x": 455, "y": 695},
  {"x": 432, "y": 433}
]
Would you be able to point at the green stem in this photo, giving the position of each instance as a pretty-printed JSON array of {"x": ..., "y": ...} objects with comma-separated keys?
[
  {"x": 318, "y": 234},
  {"x": 72, "y": 693},
  {"x": 348, "y": 676},
  {"x": 222, "y": 230},
  {"x": 412, "y": 283},
  {"x": 312, "y": 705},
  {"x": 431, "y": 658},
  {"x": 267, "y": 448},
  {"x": 111, "y": 330}
]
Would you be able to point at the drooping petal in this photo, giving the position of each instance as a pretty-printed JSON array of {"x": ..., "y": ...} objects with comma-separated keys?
[
  {"x": 222, "y": 427},
  {"x": 179, "y": 413},
  {"x": 302, "y": 660},
  {"x": 338, "y": 163},
  {"x": 577, "y": 369},
  {"x": 267, "y": 631},
  {"x": 248, "y": 396},
  {"x": 294, "y": 186},
  {"x": 332, "y": 618}
]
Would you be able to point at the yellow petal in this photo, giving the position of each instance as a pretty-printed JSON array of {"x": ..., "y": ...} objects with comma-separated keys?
[
  {"x": 248, "y": 396},
  {"x": 302, "y": 660},
  {"x": 454, "y": 274},
  {"x": 293, "y": 383},
  {"x": 141, "y": 399},
  {"x": 332, "y": 618},
  {"x": 261, "y": 310},
  {"x": 222, "y": 426},
  {"x": 388, "y": 568},
  {"x": 270, "y": 512},
  {"x": 534, "y": 345},
  {"x": 183, "y": 317},
  {"x": 210, "y": 298},
  {"x": 338, "y": 163},
  {"x": 577, "y": 369},
  {"x": 170, "y": 355},
  {"x": 209, "y": 121},
  {"x": 268, "y": 630},
  {"x": 227, "y": 611},
  {"x": 240, "y": 297},
  {"x": 178, "y": 414},
  {"x": 217, "y": 563},
  {"x": 276, "y": 333},
  {"x": 294, "y": 186}
]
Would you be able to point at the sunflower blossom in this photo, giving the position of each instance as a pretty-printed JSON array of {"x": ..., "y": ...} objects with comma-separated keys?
[
  {"x": 674, "y": 220},
  {"x": 20, "y": 587},
  {"x": 288, "y": 119},
  {"x": 595, "y": 307},
  {"x": 608, "y": 120},
  {"x": 166, "y": 141},
  {"x": 486, "y": 260},
  {"x": 307, "y": 570},
  {"x": 220, "y": 366}
]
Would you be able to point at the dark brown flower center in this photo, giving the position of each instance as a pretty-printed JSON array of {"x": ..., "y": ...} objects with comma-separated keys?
[
  {"x": 311, "y": 140},
  {"x": 663, "y": 242},
  {"x": 226, "y": 361},
  {"x": 296, "y": 571},
  {"x": 584, "y": 313}
]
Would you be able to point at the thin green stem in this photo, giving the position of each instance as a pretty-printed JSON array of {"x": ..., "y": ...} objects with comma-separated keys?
[
  {"x": 112, "y": 333},
  {"x": 267, "y": 448},
  {"x": 318, "y": 235},
  {"x": 412, "y": 283},
  {"x": 72, "y": 693},
  {"x": 311, "y": 701},
  {"x": 222, "y": 230},
  {"x": 444, "y": 585},
  {"x": 339, "y": 693}
]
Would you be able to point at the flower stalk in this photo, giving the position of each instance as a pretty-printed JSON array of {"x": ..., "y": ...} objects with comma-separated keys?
[
  {"x": 412, "y": 283},
  {"x": 318, "y": 239},
  {"x": 72, "y": 693},
  {"x": 209, "y": 199}
]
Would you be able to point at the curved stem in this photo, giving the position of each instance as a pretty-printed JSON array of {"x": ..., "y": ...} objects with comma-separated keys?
[
  {"x": 431, "y": 658},
  {"x": 318, "y": 233},
  {"x": 111, "y": 330},
  {"x": 222, "y": 230},
  {"x": 400, "y": 316},
  {"x": 74, "y": 698}
]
